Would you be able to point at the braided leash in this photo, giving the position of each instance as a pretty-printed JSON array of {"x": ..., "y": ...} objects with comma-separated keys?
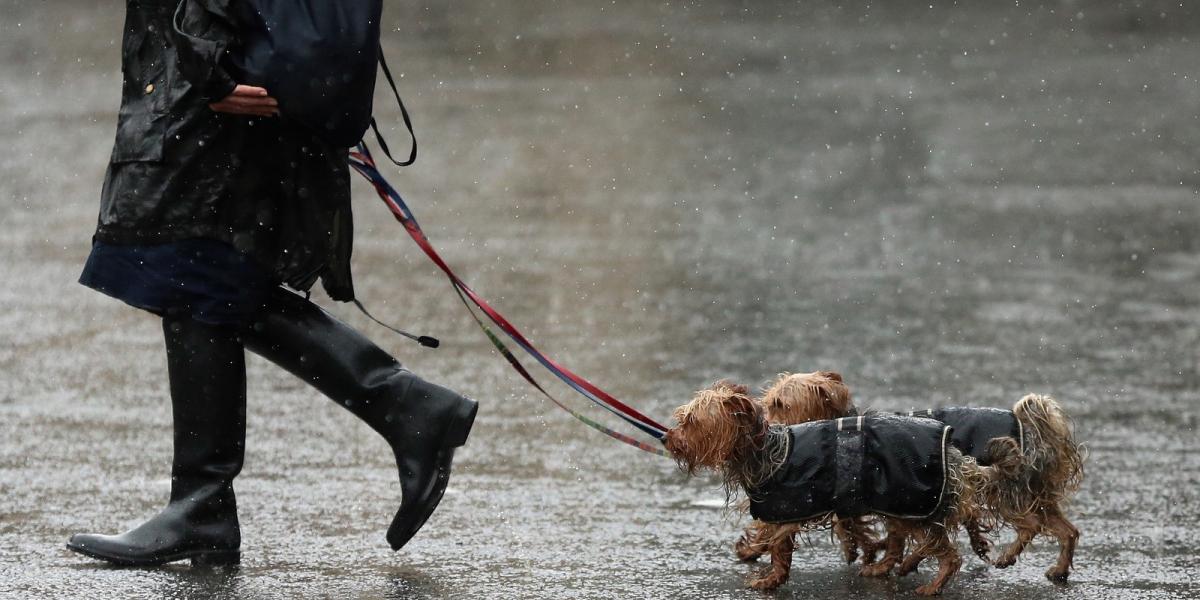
[{"x": 361, "y": 161}]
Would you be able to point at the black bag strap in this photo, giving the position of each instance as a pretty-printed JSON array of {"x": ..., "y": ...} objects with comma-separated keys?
[{"x": 412, "y": 156}]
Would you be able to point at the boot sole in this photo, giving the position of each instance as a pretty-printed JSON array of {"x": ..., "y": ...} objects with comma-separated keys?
[{"x": 199, "y": 558}]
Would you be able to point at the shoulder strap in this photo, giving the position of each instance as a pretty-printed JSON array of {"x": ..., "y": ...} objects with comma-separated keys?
[{"x": 412, "y": 156}]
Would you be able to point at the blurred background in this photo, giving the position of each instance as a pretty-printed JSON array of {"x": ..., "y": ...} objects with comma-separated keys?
[{"x": 947, "y": 202}]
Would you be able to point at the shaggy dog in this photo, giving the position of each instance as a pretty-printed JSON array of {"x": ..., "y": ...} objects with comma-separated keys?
[
  {"x": 723, "y": 429},
  {"x": 799, "y": 398},
  {"x": 1037, "y": 479},
  {"x": 1036, "y": 472}
]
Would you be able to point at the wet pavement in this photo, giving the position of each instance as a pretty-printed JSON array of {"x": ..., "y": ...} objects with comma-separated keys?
[{"x": 946, "y": 203}]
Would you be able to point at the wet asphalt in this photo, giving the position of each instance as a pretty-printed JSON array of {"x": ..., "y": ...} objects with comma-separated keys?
[{"x": 948, "y": 203}]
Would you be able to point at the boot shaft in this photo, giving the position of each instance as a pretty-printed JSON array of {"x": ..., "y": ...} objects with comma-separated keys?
[{"x": 206, "y": 367}]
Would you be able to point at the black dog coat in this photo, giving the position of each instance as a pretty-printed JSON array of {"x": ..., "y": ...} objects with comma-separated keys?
[
  {"x": 974, "y": 427},
  {"x": 879, "y": 464}
]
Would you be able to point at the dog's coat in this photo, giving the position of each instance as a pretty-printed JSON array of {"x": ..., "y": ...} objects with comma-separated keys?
[
  {"x": 881, "y": 464},
  {"x": 975, "y": 427}
]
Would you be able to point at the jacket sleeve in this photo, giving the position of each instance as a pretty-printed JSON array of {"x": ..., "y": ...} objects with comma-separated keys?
[{"x": 204, "y": 32}]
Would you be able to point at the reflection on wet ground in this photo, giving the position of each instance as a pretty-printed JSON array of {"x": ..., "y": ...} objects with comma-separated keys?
[{"x": 947, "y": 203}]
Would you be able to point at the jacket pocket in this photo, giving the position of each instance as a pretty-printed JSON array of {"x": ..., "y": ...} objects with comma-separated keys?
[
  {"x": 142, "y": 121},
  {"x": 140, "y": 136}
]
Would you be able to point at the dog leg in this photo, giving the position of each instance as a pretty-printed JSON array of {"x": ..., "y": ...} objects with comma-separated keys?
[
  {"x": 979, "y": 542},
  {"x": 939, "y": 545},
  {"x": 750, "y": 546},
  {"x": 919, "y": 552},
  {"x": 894, "y": 550},
  {"x": 781, "y": 564},
  {"x": 843, "y": 530},
  {"x": 861, "y": 531},
  {"x": 1058, "y": 526},
  {"x": 1026, "y": 528},
  {"x": 871, "y": 550}
]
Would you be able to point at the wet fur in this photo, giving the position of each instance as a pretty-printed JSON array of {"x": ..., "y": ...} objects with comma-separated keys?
[
  {"x": 724, "y": 430},
  {"x": 1031, "y": 489},
  {"x": 1027, "y": 490},
  {"x": 794, "y": 398},
  {"x": 801, "y": 397}
]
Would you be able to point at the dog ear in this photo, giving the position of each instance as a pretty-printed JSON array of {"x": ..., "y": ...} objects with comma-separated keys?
[
  {"x": 834, "y": 392},
  {"x": 736, "y": 388},
  {"x": 743, "y": 407},
  {"x": 832, "y": 375}
]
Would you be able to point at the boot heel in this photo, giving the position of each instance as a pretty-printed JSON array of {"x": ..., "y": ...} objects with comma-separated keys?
[
  {"x": 462, "y": 419},
  {"x": 217, "y": 558}
]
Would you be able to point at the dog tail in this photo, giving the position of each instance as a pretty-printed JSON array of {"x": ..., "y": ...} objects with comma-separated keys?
[
  {"x": 1050, "y": 444},
  {"x": 1004, "y": 458}
]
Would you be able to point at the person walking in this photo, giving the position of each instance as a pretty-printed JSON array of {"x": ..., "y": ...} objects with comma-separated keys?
[{"x": 216, "y": 215}]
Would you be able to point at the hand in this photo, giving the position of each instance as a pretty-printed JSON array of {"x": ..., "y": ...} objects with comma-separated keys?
[{"x": 247, "y": 100}]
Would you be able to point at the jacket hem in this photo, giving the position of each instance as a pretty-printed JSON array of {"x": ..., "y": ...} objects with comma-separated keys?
[{"x": 343, "y": 292}]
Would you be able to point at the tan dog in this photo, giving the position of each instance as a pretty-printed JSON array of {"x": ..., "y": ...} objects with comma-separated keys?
[
  {"x": 1037, "y": 481},
  {"x": 1034, "y": 479},
  {"x": 799, "y": 398},
  {"x": 722, "y": 429}
]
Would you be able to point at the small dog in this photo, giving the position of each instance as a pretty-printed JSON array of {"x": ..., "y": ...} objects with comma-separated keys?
[
  {"x": 1038, "y": 474},
  {"x": 799, "y": 398},
  {"x": 805, "y": 474},
  {"x": 1037, "y": 463}
]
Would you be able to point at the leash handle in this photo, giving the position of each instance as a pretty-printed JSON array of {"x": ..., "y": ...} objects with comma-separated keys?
[{"x": 412, "y": 155}]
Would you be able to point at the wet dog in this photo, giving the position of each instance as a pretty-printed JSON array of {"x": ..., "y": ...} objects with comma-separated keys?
[
  {"x": 903, "y": 470},
  {"x": 1038, "y": 474},
  {"x": 802, "y": 397},
  {"x": 799, "y": 398},
  {"x": 1037, "y": 464}
]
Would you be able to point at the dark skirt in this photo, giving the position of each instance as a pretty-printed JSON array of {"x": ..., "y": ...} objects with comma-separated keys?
[{"x": 206, "y": 279}]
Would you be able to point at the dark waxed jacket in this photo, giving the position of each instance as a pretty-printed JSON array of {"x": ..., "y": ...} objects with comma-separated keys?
[{"x": 179, "y": 170}]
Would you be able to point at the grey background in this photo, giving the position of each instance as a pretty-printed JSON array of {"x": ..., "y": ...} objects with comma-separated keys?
[{"x": 948, "y": 203}]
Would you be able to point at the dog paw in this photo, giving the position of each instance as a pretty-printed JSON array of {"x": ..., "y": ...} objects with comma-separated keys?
[
  {"x": 929, "y": 590},
  {"x": 1057, "y": 575},
  {"x": 765, "y": 584},
  {"x": 1004, "y": 561},
  {"x": 746, "y": 552},
  {"x": 875, "y": 570}
]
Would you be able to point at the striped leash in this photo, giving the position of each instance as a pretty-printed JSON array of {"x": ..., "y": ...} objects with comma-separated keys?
[{"x": 362, "y": 162}]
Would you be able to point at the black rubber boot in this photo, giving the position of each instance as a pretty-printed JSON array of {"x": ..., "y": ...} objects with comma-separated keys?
[
  {"x": 422, "y": 422},
  {"x": 207, "y": 370}
]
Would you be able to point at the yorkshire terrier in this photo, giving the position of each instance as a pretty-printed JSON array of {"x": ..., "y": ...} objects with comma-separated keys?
[
  {"x": 799, "y": 398},
  {"x": 902, "y": 470},
  {"x": 1038, "y": 469},
  {"x": 1037, "y": 464}
]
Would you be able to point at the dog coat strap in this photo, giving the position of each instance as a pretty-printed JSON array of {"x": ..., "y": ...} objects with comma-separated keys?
[{"x": 847, "y": 491}]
